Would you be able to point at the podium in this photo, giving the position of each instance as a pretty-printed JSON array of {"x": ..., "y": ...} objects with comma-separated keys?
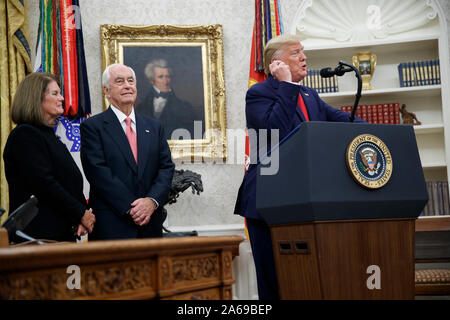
[{"x": 333, "y": 237}]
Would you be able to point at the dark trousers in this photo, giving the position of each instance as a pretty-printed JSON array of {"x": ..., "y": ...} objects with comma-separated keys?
[
  {"x": 261, "y": 243},
  {"x": 154, "y": 227}
]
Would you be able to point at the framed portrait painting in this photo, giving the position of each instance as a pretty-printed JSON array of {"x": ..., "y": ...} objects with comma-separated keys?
[{"x": 180, "y": 81}]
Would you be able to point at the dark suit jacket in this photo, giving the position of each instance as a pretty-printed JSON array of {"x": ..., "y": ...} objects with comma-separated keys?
[
  {"x": 38, "y": 163},
  {"x": 176, "y": 114},
  {"x": 273, "y": 105},
  {"x": 115, "y": 179}
]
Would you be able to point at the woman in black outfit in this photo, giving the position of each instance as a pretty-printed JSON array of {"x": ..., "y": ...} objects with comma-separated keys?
[{"x": 38, "y": 163}]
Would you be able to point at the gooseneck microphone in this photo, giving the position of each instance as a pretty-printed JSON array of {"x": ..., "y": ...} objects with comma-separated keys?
[
  {"x": 342, "y": 68},
  {"x": 338, "y": 71}
]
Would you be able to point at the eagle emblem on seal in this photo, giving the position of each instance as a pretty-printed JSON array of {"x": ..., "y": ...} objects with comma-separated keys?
[{"x": 369, "y": 159}]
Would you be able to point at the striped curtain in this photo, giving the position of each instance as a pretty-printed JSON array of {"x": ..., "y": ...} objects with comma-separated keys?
[
  {"x": 61, "y": 52},
  {"x": 266, "y": 26}
]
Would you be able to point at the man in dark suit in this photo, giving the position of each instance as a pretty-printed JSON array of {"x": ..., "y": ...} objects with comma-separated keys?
[
  {"x": 127, "y": 161},
  {"x": 162, "y": 103},
  {"x": 278, "y": 103}
]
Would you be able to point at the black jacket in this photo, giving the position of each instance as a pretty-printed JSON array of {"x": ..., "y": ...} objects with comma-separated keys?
[
  {"x": 176, "y": 114},
  {"x": 38, "y": 163},
  {"x": 116, "y": 180}
]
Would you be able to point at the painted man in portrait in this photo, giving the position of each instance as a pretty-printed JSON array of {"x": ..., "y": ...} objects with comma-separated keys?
[{"x": 162, "y": 103}]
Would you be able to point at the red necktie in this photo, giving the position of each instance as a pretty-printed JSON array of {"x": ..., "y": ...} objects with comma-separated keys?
[
  {"x": 301, "y": 105},
  {"x": 131, "y": 136}
]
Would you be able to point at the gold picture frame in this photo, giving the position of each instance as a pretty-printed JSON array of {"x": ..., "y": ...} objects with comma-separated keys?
[{"x": 201, "y": 47}]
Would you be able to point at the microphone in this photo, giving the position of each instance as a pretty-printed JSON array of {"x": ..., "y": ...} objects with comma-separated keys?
[
  {"x": 330, "y": 72},
  {"x": 342, "y": 68}
]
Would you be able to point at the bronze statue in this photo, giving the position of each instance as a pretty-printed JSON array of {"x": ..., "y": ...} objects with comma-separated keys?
[{"x": 409, "y": 117}]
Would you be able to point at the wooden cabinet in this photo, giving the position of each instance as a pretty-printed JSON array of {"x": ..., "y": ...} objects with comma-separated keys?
[{"x": 166, "y": 268}]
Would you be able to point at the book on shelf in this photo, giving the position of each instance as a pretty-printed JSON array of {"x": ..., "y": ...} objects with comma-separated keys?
[
  {"x": 386, "y": 113},
  {"x": 429, "y": 209},
  {"x": 438, "y": 199},
  {"x": 320, "y": 84},
  {"x": 445, "y": 198},
  {"x": 419, "y": 73},
  {"x": 425, "y": 209},
  {"x": 438, "y": 72}
]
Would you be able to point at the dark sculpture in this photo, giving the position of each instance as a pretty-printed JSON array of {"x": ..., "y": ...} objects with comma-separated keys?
[{"x": 182, "y": 180}]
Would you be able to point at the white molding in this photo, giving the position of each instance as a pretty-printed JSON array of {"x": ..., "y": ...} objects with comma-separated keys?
[
  {"x": 374, "y": 43},
  {"x": 444, "y": 68},
  {"x": 431, "y": 90},
  {"x": 434, "y": 165},
  {"x": 429, "y": 128},
  {"x": 222, "y": 229},
  {"x": 362, "y": 20},
  {"x": 433, "y": 217}
]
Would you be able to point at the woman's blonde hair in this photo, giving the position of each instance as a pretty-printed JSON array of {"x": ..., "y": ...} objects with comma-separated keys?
[
  {"x": 27, "y": 102},
  {"x": 274, "y": 48}
]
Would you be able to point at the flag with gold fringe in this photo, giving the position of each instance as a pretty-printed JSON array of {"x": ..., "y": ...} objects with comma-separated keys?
[
  {"x": 60, "y": 51},
  {"x": 266, "y": 26}
]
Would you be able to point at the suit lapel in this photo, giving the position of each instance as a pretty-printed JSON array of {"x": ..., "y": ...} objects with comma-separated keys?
[
  {"x": 307, "y": 100},
  {"x": 144, "y": 138},
  {"x": 275, "y": 85},
  {"x": 299, "y": 112},
  {"x": 114, "y": 128}
]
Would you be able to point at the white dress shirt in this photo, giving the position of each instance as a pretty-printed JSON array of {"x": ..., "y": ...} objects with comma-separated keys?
[{"x": 122, "y": 116}]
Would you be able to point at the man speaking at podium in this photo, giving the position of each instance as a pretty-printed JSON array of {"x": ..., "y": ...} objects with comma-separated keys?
[{"x": 279, "y": 103}]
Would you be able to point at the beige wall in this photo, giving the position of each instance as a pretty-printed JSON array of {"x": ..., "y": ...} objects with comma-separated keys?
[{"x": 221, "y": 182}]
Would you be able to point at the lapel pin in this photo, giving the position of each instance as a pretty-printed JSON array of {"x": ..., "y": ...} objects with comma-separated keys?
[
  {"x": 307, "y": 94},
  {"x": 148, "y": 131}
]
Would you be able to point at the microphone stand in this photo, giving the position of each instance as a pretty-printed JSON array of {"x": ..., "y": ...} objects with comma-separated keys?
[{"x": 340, "y": 71}]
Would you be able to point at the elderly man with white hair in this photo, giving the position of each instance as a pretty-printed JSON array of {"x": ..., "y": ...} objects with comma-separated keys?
[{"x": 127, "y": 161}]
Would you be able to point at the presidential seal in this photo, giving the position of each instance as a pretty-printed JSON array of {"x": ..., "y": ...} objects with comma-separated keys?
[{"x": 369, "y": 161}]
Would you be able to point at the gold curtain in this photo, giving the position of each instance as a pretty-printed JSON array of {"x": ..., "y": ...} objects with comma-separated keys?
[{"x": 15, "y": 64}]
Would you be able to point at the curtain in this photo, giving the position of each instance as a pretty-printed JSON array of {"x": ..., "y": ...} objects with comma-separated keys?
[{"x": 15, "y": 64}]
